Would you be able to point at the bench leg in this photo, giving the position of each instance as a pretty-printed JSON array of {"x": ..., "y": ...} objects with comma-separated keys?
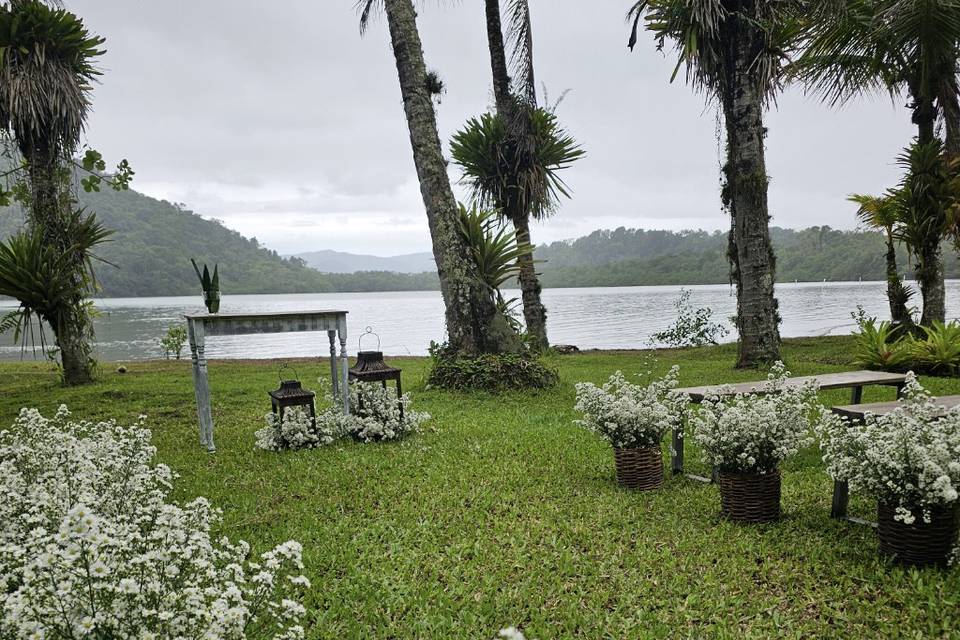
[
  {"x": 900, "y": 388},
  {"x": 856, "y": 395},
  {"x": 676, "y": 447},
  {"x": 841, "y": 497}
]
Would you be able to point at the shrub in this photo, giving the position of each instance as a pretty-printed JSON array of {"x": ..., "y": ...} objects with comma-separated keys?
[
  {"x": 297, "y": 431},
  {"x": 754, "y": 433},
  {"x": 376, "y": 416},
  {"x": 877, "y": 347},
  {"x": 908, "y": 458},
  {"x": 692, "y": 328},
  {"x": 489, "y": 372},
  {"x": 627, "y": 415},
  {"x": 91, "y": 546},
  {"x": 174, "y": 340},
  {"x": 938, "y": 351}
]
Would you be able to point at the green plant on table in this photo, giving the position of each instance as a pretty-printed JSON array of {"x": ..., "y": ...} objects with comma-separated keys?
[{"x": 210, "y": 285}]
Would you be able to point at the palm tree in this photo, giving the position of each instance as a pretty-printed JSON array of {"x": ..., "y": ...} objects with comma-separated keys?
[
  {"x": 518, "y": 179},
  {"x": 911, "y": 47},
  {"x": 734, "y": 52},
  {"x": 526, "y": 174},
  {"x": 474, "y": 325},
  {"x": 883, "y": 214},
  {"x": 46, "y": 71}
]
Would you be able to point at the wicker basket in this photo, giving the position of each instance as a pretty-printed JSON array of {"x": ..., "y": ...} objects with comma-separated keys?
[
  {"x": 640, "y": 468},
  {"x": 919, "y": 544},
  {"x": 750, "y": 497}
]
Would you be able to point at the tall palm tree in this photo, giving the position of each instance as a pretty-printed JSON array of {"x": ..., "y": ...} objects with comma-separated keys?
[
  {"x": 526, "y": 173},
  {"x": 474, "y": 325},
  {"x": 910, "y": 47},
  {"x": 46, "y": 71},
  {"x": 734, "y": 52},
  {"x": 883, "y": 214}
]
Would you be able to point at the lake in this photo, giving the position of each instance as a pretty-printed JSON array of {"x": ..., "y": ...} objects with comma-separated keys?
[{"x": 590, "y": 318}]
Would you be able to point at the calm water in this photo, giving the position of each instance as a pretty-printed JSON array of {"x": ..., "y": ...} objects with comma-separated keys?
[{"x": 600, "y": 318}]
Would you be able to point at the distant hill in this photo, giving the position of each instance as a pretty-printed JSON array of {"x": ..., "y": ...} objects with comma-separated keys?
[
  {"x": 155, "y": 240},
  {"x": 330, "y": 261}
]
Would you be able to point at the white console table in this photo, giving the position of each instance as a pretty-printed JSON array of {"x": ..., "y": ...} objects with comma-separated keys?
[{"x": 200, "y": 327}]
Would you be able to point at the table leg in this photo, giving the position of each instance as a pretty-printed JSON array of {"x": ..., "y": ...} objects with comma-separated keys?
[
  {"x": 334, "y": 376},
  {"x": 900, "y": 388},
  {"x": 841, "y": 497},
  {"x": 856, "y": 395},
  {"x": 201, "y": 384},
  {"x": 676, "y": 446},
  {"x": 345, "y": 364}
]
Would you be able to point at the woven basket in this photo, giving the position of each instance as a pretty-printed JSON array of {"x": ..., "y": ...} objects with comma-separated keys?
[
  {"x": 920, "y": 544},
  {"x": 640, "y": 468},
  {"x": 750, "y": 497}
]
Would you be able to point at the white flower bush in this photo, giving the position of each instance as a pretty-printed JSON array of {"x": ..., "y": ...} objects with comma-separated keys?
[
  {"x": 375, "y": 414},
  {"x": 754, "y": 433},
  {"x": 908, "y": 458},
  {"x": 90, "y": 545},
  {"x": 297, "y": 431},
  {"x": 628, "y": 415}
]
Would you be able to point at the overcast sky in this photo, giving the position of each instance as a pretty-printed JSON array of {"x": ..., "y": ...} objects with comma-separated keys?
[{"x": 277, "y": 118}]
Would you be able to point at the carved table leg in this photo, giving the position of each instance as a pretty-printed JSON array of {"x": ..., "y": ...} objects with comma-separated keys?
[{"x": 334, "y": 375}]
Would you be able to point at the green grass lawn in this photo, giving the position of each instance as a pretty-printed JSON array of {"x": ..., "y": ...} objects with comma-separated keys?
[{"x": 503, "y": 512}]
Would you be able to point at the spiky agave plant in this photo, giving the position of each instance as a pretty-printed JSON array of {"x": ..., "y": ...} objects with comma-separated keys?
[{"x": 210, "y": 285}]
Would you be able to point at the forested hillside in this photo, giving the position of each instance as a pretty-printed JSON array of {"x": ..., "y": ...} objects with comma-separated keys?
[{"x": 155, "y": 240}]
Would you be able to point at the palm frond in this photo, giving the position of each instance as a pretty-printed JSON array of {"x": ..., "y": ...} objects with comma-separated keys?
[
  {"x": 368, "y": 9},
  {"x": 520, "y": 37}
]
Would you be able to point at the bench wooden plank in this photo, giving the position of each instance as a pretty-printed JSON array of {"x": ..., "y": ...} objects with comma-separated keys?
[
  {"x": 843, "y": 380},
  {"x": 857, "y": 411}
]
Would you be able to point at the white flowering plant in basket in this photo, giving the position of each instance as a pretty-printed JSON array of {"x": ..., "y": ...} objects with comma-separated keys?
[
  {"x": 91, "y": 546},
  {"x": 628, "y": 415},
  {"x": 908, "y": 458},
  {"x": 755, "y": 432}
]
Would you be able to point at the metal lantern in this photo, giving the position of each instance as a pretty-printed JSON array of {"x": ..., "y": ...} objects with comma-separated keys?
[
  {"x": 292, "y": 394},
  {"x": 370, "y": 367}
]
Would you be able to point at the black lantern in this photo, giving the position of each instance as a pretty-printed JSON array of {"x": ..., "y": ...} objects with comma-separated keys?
[
  {"x": 370, "y": 367},
  {"x": 292, "y": 394}
]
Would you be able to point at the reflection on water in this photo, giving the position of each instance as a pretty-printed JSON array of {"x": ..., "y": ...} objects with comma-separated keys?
[{"x": 593, "y": 318}]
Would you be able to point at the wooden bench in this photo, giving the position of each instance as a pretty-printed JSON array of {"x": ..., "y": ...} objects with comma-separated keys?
[
  {"x": 858, "y": 412},
  {"x": 854, "y": 380}
]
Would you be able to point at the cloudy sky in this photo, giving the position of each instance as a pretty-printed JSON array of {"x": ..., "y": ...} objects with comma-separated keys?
[{"x": 277, "y": 118}]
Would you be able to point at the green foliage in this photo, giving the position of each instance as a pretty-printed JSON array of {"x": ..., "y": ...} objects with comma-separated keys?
[
  {"x": 692, "y": 328},
  {"x": 43, "y": 279},
  {"x": 46, "y": 72},
  {"x": 208, "y": 284},
  {"x": 494, "y": 373},
  {"x": 519, "y": 175},
  {"x": 938, "y": 350},
  {"x": 877, "y": 347},
  {"x": 173, "y": 342},
  {"x": 881, "y": 345}
]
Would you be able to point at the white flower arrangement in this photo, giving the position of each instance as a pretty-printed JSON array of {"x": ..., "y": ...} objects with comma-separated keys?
[
  {"x": 376, "y": 416},
  {"x": 755, "y": 432},
  {"x": 628, "y": 415},
  {"x": 908, "y": 458},
  {"x": 91, "y": 546},
  {"x": 297, "y": 431}
]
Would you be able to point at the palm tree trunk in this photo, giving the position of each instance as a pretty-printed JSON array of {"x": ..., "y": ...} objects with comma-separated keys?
[
  {"x": 950, "y": 105},
  {"x": 534, "y": 313},
  {"x": 73, "y": 331},
  {"x": 896, "y": 292},
  {"x": 498, "y": 58},
  {"x": 473, "y": 323},
  {"x": 930, "y": 278},
  {"x": 745, "y": 194}
]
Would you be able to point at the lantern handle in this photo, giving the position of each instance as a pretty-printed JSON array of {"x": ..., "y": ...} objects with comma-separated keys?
[
  {"x": 367, "y": 332},
  {"x": 287, "y": 365}
]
